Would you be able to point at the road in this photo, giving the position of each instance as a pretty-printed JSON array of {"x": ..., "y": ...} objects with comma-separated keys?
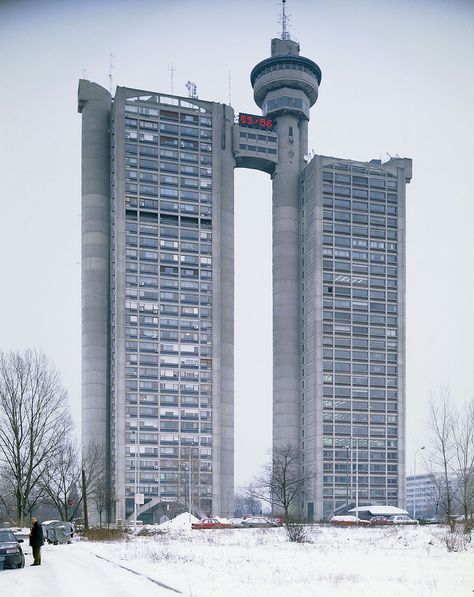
[{"x": 74, "y": 571}]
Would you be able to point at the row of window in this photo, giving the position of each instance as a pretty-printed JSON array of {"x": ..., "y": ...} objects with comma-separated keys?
[
  {"x": 147, "y": 229},
  {"x": 358, "y": 180},
  {"x": 377, "y": 258},
  {"x": 360, "y": 168},
  {"x": 360, "y": 380},
  {"x": 359, "y": 431},
  {"x": 373, "y": 268},
  {"x": 169, "y": 179},
  {"x": 258, "y": 137},
  {"x": 165, "y": 127},
  {"x": 166, "y": 114},
  {"x": 167, "y": 400},
  {"x": 360, "y": 218},
  {"x": 258, "y": 149},
  {"x": 361, "y": 243},
  {"x": 357, "y": 231},
  {"x": 377, "y": 198},
  {"x": 168, "y": 413},
  {"x": 147, "y": 164},
  {"x": 191, "y": 156}
]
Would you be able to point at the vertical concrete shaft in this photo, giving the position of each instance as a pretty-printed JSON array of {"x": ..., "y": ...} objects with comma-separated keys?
[
  {"x": 223, "y": 313},
  {"x": 286, "y": 283},
  {"x": 94, "y": 104},
  {"x": 285, "y": 87}
]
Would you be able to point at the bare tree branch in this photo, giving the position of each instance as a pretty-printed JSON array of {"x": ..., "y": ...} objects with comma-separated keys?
[
  {"x": 33, "y": 420},
  {"x": 283, "y": 481}
]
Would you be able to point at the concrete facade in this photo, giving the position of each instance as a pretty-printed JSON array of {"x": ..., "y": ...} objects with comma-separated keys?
[
  {"x": 353, "y": 332},
  {"x": 158, "y": 286}
]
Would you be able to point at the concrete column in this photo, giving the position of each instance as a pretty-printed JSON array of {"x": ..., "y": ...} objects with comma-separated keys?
[
  {"x": 286, "y": 281},
  {"x": 94, "y": 104}
]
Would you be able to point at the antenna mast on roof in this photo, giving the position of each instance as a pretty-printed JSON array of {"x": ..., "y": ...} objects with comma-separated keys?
[
  {"x": 285, "y": 21},
  {"x": 111, "y": 68},
  {"x": 172, "y": 69}
]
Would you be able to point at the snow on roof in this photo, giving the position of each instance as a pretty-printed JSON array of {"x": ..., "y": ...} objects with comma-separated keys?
[{"x": 380, "y": 510}]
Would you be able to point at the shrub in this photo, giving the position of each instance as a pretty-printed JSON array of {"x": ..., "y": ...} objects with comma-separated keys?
[
  {"x": 456, "y": 540},
  {"x": 296, "y": 530},
  {"x": 104, "y": 534}
]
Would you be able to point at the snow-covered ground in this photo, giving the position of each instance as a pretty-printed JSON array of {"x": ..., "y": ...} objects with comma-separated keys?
[{"x": 338, "y": 562}]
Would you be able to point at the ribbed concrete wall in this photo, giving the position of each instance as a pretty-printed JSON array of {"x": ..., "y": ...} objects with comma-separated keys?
[
  {"x": 286, "y": 284},
  {"x": 94, "y": 104},
  {"x": 223, "y": 312}
]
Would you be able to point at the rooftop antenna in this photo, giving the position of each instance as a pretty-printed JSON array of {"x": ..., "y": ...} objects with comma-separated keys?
[
  {"x": 172, "y": 69},
  {"x": 83, "y": 73},
  {"x": 230, "y": 90},
  {"x": 111, "y": 68},
  {"x": 192, "y": 89},
  {"x": 285, "y": 21}
]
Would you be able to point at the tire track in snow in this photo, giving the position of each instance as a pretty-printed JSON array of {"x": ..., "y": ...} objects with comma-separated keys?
[{"x": 160, "y": 584}]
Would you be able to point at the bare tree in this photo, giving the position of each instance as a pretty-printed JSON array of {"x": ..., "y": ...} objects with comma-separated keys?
[
  {"x": 33, "y": 417},
  {"x": 283, "y": 481},
  {"x": 95, "y": 486},
  {"x": 441, "y": 452},
  {"x": 62, "y": 478},
  {"x": 463, "y": 439}
]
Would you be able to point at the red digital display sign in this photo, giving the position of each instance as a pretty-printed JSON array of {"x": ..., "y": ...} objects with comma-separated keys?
[{"x": 256, "y": 122}]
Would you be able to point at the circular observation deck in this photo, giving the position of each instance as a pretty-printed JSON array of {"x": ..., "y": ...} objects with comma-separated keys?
[{"x": 294, "y": 72}]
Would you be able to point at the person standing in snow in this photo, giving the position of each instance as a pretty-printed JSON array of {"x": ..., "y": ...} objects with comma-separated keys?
[{"x": 36, "y": 540}]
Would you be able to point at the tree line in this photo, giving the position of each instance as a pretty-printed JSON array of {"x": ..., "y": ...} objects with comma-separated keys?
[{"x": 40, "y": 461}]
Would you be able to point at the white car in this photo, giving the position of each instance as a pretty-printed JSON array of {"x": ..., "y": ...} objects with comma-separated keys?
[
  {"x": 258, "y": 522},
  {"x": 235, "y": 522},
  {"x": 401, "y": 519}
]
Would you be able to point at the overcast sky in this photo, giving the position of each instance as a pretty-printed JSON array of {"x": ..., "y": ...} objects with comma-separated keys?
[{"x": 397, "y": 78}]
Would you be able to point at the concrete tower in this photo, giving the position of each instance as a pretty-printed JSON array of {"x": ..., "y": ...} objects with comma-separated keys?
[{"x": 285, "y": 87}]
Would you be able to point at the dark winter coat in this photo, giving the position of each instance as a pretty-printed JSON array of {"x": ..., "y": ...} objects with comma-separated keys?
[{"x": 36, "y": 535}]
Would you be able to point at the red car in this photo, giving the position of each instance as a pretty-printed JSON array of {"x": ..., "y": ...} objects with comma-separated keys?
[
  {"x": 379, "y": 520},
  {"x": 209, "y": 523}
]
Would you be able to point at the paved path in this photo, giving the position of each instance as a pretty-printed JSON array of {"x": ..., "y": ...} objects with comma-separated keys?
[{"x": 71, "y": 571}]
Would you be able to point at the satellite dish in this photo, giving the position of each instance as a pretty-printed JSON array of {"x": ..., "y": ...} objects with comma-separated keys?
[{"x": 306, "y": 157}]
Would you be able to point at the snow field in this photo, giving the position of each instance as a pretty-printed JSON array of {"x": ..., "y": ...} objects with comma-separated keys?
[{"x": 365, "y": 562}]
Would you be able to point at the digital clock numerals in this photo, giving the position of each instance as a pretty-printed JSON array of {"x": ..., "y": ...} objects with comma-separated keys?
[{"x": 258, "y": 122}]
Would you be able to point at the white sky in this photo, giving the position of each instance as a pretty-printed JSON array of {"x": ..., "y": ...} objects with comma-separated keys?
[{"x": 397, "y": 78}]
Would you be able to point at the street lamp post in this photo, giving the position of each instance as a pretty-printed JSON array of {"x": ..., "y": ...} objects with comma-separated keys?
[
  {"x": 414, "y": 480},
  {"x": 135, "y": 505},
  {"x": 357, "y": 479},
  {"x": 347, "y": 477}
]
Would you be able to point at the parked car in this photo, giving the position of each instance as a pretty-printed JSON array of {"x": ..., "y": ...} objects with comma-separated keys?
[
  {"x": 279, "y": 522},
  {"x": 258, "y": 522},
  {"x": 210, "y": 523},
  {"x": 236, "y": 522},
  {"x": 348, "y": 520},
  {"x": 379, "y": 520},
  {"x": 401, "y": 519},
  {"x": 11, "y": 554}
]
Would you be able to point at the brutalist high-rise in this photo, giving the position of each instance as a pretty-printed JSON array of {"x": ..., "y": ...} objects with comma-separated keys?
[{"x": 158, "y": 285}]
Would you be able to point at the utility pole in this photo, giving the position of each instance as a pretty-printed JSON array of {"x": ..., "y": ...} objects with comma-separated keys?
[{"x": 414, "y": 480}]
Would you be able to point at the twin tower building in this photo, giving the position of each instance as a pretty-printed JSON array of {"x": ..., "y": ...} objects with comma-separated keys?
[{"x": 158, "y": 297}]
